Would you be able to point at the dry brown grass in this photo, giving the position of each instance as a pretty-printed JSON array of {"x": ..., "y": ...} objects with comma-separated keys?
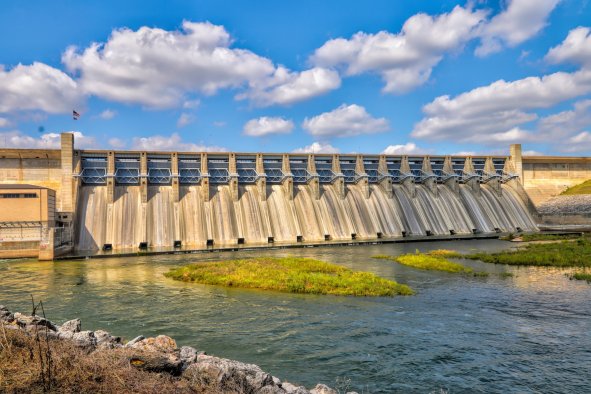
[{"x": 75, "y": 370}]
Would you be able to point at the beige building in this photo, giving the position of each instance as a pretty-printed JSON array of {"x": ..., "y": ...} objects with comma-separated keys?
[
  {"x": 27, "y": 219},
  {"x": 27, "y": 203}
]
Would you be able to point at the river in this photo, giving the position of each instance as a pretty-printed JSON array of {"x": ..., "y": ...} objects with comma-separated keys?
[{"x": 527, "y": 333}]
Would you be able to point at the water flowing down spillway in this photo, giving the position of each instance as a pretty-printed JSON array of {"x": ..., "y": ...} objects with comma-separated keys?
[{"x": 255, "y": 218}]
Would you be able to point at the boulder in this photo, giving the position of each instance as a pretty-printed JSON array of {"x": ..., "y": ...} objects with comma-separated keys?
[
  {"x": 156, "y": 362},
  {"x": 271, "y": 390},
  {"x": 24, "y": 320},
  {"x": 188, "y": 356},
  {"x": 160, "y": 344},
  {"x": 104, "y": 340},
  {"x": 322, "y": 389},
  {"x": 84, "y": 339},
  {"x": 213, "y": 373},
  {"x": 134, "y": 341},
  {"x": 69, "y": 328},
  {"x": 293, "y": 389},
  {"x": 73, "y": 326},
  {"x": 5, "y": 315}
]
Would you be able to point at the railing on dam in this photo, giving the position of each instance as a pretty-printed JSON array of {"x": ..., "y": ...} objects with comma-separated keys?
[{"x": 160, "y": 168}]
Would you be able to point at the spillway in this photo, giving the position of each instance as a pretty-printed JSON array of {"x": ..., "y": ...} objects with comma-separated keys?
[{"x": 255, "y": 219}]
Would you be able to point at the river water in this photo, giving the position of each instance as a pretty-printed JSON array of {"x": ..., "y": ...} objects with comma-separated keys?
[{"x": 527, "y": 333}]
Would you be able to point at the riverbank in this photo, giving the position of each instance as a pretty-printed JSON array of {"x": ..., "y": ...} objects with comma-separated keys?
[{"x": 37, "y": 355}]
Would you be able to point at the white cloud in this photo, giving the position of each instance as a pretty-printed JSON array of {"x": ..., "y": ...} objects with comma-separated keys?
[
  {"x": 580, "y": 142},
  {"x": 406, "y": 149},
  {"x": 156, "y": 68},
  {"x": 287, "y": 87},
  {"x": 219, "y": 123},
  {"x": 496, "y": 114},
  {"x": 117, "y": 143},
  {"x": 492, "y": 114},
  {"x": 464, "y": 153},
  {"x": 184, "y": 120},
  {"x": 576, "y": 48},
  {"x": 107, "y": 114},
  {"x": 267, "y": 125},
  {"x": 531, "y": 153},
  {"x": 345, "y": 121},
  {"x": 191, "y": 104},
  {"x": 404, "y": 60},
  {"x": 173, "y": 143},
  {"x": 568, "y": 129},
  {"x": 520, "y": 21},
  {"x": 160, "y": 69},
  {"x": 16, "y": 139},
  {"x": 38, "y": 87},
  {"x": 4, "y": 122},
  {"x": 567, "y": 122},
  {"x": 317, "y": 147}
]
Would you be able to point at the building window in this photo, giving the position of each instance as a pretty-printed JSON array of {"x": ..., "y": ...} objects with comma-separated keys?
[
  {"x": 9, "y": 195},
  {"x": 17, "y": 195}
]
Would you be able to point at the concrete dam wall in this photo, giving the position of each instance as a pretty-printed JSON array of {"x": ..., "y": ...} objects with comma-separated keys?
[
  {"x": 198, "y": 200},
  {"x": 131, "y": 199},
  {"x": 253, "y": 220}
]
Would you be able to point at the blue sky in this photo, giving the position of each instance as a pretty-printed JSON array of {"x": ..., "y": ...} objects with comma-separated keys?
[{"x": 398, "y": 77}]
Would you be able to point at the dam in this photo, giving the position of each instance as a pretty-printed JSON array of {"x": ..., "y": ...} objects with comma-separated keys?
[{"x": 122, "y": 200}]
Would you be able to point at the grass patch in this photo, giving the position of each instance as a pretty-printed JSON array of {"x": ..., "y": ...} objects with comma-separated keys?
[
  {"x": 586, "y": 276},
  {"x": 289, "y": 275},
  {"x": 480, "y": 274},
  {"x": 555, "y": 254},
  {"x": 581, "y": 188},
  {"x": 450, "y": 254},
  {"x": 427, "y": 262},
  {"x": 66, "y": 368}
]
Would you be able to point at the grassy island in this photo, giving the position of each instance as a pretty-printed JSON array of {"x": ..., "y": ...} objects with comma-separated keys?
[
  {"x": 290, "y": 275},
  {"x": 554, "y": 254},
  {"x": 586, "y": 276},
  {"x": 434, "y": 261}
]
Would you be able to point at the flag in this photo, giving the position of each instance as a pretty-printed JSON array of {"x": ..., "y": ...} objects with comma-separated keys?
[{"x": 75, "y": 115}]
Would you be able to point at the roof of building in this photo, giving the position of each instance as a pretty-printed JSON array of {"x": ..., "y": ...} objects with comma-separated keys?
[{"x": 9, "y": 186}]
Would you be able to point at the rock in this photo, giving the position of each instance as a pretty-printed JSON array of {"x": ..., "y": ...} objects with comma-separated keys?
[
  {"x": 270, "y": 390},
  {"x": 213, "y": 373},
  {"x": 23, "y": 321},
  {"x": 188, "y": 356},
  {"x": 161, "y": 343},
  {"x": 566, "y": 205},
  {"x": 72, "y": 326},
  {"x": 84, "y": 339},
  {"x": 69, "y": 328},
  {"x": 322, "y": 389},
  {"x": 134, "y": 340},
  {"x": 293, "y": 389},
  {"x": 104, "y": 340},
  {"x": 156, "y": 362},
  {"x": 276, "y": 381},
  {"x": 5, "y": 315}
]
